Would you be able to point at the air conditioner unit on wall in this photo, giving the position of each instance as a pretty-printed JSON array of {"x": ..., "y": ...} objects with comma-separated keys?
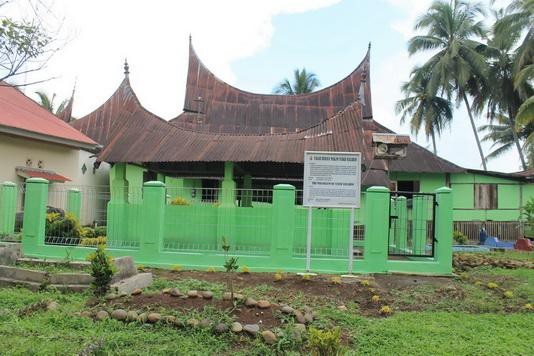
[{"x": 390, "y": 146}]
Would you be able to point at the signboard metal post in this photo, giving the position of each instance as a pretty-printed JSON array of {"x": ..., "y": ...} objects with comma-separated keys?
[{"x": 331, "y": 180}]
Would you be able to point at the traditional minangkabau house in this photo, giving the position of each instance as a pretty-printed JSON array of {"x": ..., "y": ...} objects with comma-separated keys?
[{"x": 257, "y": 140}]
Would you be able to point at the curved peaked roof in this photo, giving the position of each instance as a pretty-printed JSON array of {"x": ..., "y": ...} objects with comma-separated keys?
[
  {"x": 102, "y": 123},
  {"x": 215, "y": 106}
]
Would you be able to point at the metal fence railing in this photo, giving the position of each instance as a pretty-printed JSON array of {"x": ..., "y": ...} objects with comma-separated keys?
[
  {"x": 504, "y": 230},
  {"x": 411, "y": 224},
  {"x": 76, "y": 214}
]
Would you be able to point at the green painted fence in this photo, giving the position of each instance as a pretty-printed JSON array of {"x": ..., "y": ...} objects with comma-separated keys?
[{"x": 269, "y": 237}]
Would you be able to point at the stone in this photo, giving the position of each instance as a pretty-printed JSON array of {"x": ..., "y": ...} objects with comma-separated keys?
[
  {"x": 237, "y": 296},
  {"x": 132, "y": 315},
  {"x": 142, "y": 318},
  {"x": 207, "y": 294},
  {"x": 175, "y": 292},
  {"x": 71, "y": 278},
  {"x": 252, "y": 329},
  {"x": 193, "y": 322},
  {"x": 166, "y": 290},
  {"x": 119, "y": 314},
  {"x": 308, "y": 317},
  {"x": 137, "y": 291},
  {"x": 264, "y": 304},
  {"x": 269, "y": 337},
  {"x": 307, "y": 309},
  {"x": 299, "y": 317},
  {"x": 286, "y": 309},
  {"x": 236, "y": 327},
  {"x": 342, "y": 308},
  {"x": 298, "y": 330},
  {"x": 86, "y": 314},
  {"x": 131, "y": 284},
  {"x": 153, "y": 318},
  {"x": 169, "y": 319},
  {"x": 53, "y": 305},
  {"x": 102, "y": 315},
  {"x": 205, "y": 323},
  {"x": 192, "y": 294},
  {"x": 299, "y": 327},
  {"x": 110, "y": 296},
  {"x": 250, "y": 302},
  {"x": 124, "y": 268},
  {"x": 221, "y": 328}
]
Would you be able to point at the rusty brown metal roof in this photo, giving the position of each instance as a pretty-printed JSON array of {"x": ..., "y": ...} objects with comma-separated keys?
[
  {"x": 101, "y": 124},
  {"x": 212, "y": 105}
]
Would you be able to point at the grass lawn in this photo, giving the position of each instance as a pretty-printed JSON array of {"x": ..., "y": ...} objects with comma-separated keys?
[{"x": 438, "y": 316}]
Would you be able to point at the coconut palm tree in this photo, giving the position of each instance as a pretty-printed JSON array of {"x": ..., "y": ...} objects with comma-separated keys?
[
  {"x": 498, "y": 95},
  {"x": 451, "y": 29},
  {"x": 303, "y": 82},
  {"x": 516, "y": 24},
  {"x": 422, "y": 109},
  {"x": 47, "y": 102},
  {"x": 503, "y": 136}
]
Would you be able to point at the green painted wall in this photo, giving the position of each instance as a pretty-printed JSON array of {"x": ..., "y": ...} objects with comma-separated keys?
[{"x": 511, "y": 194}]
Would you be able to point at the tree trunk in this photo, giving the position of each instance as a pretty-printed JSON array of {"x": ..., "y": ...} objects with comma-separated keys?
[
  {"x": 475, "y": 132},
  {"x": 433, "y": 136},
  {"x": 511, "y": 117}
]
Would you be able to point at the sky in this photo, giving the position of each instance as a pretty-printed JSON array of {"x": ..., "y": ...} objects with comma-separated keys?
[{"x": 250, "y": 44}]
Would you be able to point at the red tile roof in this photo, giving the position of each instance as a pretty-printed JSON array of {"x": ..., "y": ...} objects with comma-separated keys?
[
  {"x": 52, "y": 176},
  {"x": 19, "y": 112}
]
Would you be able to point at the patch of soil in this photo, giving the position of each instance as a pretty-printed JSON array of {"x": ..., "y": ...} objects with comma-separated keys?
[
  {"x": 263, "y": 317},
  {"x": 319, "y": 289},
  {"x": 399, "y": 281},
  {"x": 464, "y": 261}
]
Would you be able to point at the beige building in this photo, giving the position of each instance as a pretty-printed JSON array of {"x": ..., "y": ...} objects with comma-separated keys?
[{"x": 35, "y": 143}]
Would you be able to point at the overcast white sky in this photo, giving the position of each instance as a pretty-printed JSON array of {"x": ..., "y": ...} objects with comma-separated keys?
[{"x": 247, "y": 43}]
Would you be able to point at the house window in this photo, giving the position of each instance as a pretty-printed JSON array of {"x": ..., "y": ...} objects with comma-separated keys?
[
  {"x": 408, "y": 186},
  {"x": 486, "y": 196}
]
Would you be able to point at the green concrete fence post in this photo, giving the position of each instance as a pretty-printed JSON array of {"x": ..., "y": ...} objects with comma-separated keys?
[
  {"x": 283, "y": 224},
  {"x": 376, "y": 229},
  {"x": 393, "y": 239},
  {"x": 419, "y": 222},
  {"x": 74, "y": 202},
  {"x": 402, "y": 224},
  {"x": 443, "y": 229},
  {"x": 8, "y": 208},
  {"x": 153, "y": 218},
  {"x": 33, "y": 226},
  {"x": 228, "y": 186}
]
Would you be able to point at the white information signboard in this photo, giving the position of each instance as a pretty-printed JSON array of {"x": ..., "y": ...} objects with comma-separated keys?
[{"x": 332, "y": 179}]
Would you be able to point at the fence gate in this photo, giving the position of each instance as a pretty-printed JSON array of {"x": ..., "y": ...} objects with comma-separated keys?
[{"x": 412, "y": 224}]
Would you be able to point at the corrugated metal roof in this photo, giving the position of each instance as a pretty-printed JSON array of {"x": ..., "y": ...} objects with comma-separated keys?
[
  {"x": 19, "y": 112},
  {"x": 212, "y": 105}
]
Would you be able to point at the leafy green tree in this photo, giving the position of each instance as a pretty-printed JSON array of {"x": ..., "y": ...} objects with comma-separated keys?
[
  {"x": 303, "y": 82},
  {"x": 47, "y": 102},
  {"x": 456, "y": 66},
  {"x": 423, "y": 110},
  {"x": 21, "y": 43}
]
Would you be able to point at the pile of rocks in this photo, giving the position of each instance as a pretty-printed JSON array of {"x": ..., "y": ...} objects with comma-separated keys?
[{"x": 301, "y": 317}]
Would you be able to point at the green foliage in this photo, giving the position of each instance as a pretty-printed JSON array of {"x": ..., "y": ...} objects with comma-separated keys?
[
  {"x": 94, "y": 241},
  {"x": 230, "y": 266},
  {"x": 527, "y": 211},
  {"x": 460, "y": 238},
  {"x": 179, "y": 201},
  {"x": 58, "y": 225},
  {"x": 102, "y": 270},
  {"x": 303, "y": 82},
  {"x": 325, "y": 342}
]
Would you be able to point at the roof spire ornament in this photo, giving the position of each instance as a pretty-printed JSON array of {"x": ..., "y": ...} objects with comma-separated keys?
[{"x": 126, "y": 68}]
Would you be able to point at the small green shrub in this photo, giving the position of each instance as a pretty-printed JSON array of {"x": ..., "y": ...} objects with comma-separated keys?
[
  {"x": 179, "y": 201},
  {"x": 325, "y": 342},
  {"x": 100, "y": 231},
  {"x": 230, "y": 266},
  {"x": 58, "y": 225},
  {"x": 93, "y": 241},
  {"x": 102, "y": 270},
  {"x": 460, "y": 238}
]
